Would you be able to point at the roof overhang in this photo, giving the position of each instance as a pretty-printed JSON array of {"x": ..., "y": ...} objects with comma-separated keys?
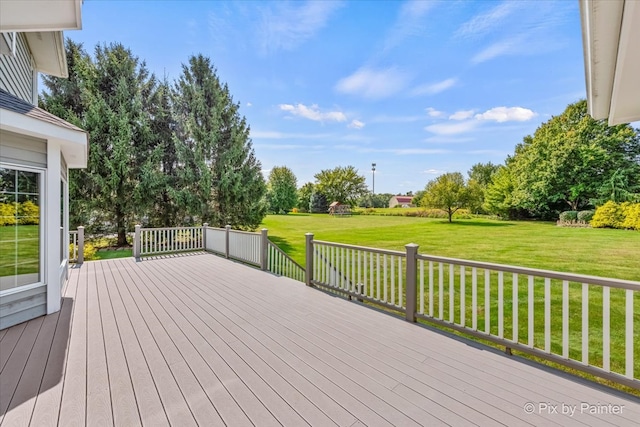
[
  {"x": 74, "y": 144},
  {"x": 48, "y": 52},
  {"x": 40, "y": 15},
  {"x": 611, "y": 42}
]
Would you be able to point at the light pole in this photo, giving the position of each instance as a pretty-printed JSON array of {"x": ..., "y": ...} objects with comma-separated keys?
[{"x": 373, "y": 182}]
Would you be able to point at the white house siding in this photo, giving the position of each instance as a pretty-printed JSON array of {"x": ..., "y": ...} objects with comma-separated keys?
[
  {"x": 16, "y": 72},
  {"x": 23, "y": 150},
  {"x": 19, "y": 304}
]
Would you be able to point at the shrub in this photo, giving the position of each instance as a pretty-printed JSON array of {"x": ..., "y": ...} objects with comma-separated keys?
[
  {"x": 7, "y": 214},
  {"x": 632, "y": 216},
  {"x": 569, "y": 216},
  {"x": 294, "y": 210},
  {"x": 609, "y": 215},
  {"x": 29, "y": 213},
  {"x": 89, "y": 251},
  {"x": 585, "y": 216}
]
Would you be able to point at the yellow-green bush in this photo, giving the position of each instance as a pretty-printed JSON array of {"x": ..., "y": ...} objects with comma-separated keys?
[
  {"x": 617, "y": 215},
  {"x": 29, "y": 213},
  {"x": 89, "y": 251},
  {"x": 632, "y": 216},
  {"x": 7, "y": 214}
]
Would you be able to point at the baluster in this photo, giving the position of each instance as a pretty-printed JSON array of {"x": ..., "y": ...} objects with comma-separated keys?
[
  {"x": 393, "y": 280},
  {"x": 441, "y": 291},
  {"x": 487, "y": 301},
  {"x": 385, "y": 277},
  {"x": 452, "y": 310},
  {"x": 514, "y": 308},
  {"x": 431, "y": 288},
  {"x": 421, "y": 286},
  {"x": 547, "y": 314},
  {"x": 463, "y": 307},
  {"x": 629, "y": 334},
  {"x": 371, "y": 292},
  {"x": 474, "y": 298},
  {"x": 530, "y": 335},
  {"x": 501, "y": 304},
  {"x": 378, "y": 274},
  {"x": 565, "y": 319},
  {"x": 585, "y": 323},
  {"x": 400, "y": 275},
  {"x": 606, "y": 328}
]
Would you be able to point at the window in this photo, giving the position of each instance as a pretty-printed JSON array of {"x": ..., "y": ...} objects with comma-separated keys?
[{"x": 20, "y": 229}]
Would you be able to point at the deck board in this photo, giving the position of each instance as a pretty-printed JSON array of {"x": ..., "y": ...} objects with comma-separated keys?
[{"x": 200, "y": 340}]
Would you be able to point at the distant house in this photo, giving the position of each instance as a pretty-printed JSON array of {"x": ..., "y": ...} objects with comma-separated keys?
[
  {"x": 402, "y": 201},
  {"x": 37, "y": 149}
]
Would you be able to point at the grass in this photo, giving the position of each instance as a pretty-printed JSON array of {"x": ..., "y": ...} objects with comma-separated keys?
[
  {"x": 598, "y": 252},
  {"x": 27, "y": 250},
  {"x": 111, "y": 254}
]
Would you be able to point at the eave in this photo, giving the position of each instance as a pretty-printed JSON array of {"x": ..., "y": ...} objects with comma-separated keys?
[
  {"x": 40, "y": 15},
  {"x": 611, "y": 42}
]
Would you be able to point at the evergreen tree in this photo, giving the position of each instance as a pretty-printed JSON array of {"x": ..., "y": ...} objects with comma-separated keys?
[
  {"x": 123, "y": 156},
  {"x": 282, "y": 192},
  {"x": 318, "y": 203},
  {"x": 219, "y": 178}
]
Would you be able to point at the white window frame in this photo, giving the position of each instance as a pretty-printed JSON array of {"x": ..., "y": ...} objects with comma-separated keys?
[{"x": 42, "y": 173}]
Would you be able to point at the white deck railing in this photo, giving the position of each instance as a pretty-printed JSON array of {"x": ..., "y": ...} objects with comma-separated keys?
[
  {"x": 584, "y": 322},
  {"x": 250, "y": 248},
  {"x": 278, "y": 262},
  {"x": 76, "y": 243},
  {"x": 155, "y": 241}
]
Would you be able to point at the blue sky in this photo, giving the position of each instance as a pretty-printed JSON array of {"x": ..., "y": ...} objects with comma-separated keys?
[{"x": 418, "y": 87}]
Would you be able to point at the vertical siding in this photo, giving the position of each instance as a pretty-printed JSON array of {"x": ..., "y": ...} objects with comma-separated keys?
[{"x": 16, "y": 73}]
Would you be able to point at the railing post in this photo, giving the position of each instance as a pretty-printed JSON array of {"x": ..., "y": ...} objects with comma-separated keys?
[
  {"x": 411, "y": 281},
  {"x": 309, "y": 258},
  {"x": 80, "y": 245},
  {"x": 226, "y": 243},
  {"x": 264, "y": 249},
  {"x": 136, "y": 243},
  {"x": 204, "y": 236}
]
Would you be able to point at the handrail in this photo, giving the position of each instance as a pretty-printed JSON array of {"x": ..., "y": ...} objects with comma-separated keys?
[
  {"x": 572, "y": 277},
  {"x": 478, "y": 299}
]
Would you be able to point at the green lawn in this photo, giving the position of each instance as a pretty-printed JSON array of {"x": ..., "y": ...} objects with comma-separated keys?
[{"x": 599, "y": 252}]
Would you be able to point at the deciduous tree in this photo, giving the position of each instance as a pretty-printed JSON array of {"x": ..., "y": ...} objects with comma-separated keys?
[
  {"x": 341, "y": 184},
  {"x": 448, "y": 192}
]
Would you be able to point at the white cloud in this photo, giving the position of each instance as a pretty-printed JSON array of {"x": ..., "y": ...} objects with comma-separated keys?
[
  {"x": 313, "y": 113},
  {"x": 285, "y": 26},
  {"x": 504, "y": 47},
  {"x": 432, "y": 112},
  {"x": 452, "y": 128},
  {"x": 434, "y": 172},
  {"x": 433, "y": 88},
  {"x": 373, "y": 84},
  {"x": 462, "y": 115},
  {"x": 249, "y": 104},
  {"x": 507, "y": 114},
  {"x": 409, "y": 22},
  {"x": 485, "y": 22},
  {"x": 356, "y": 124}
]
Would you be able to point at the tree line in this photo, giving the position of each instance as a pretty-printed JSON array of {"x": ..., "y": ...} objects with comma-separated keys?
[
  {"x": 161, "y": 153},
  {"x": 571, "y": 162}
]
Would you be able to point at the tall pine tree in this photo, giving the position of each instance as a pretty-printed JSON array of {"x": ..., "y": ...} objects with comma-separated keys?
[{"x": 219, "y": 178}]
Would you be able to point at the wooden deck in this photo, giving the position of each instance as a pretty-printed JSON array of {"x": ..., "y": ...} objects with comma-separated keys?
[{"x": 200, "y": 340}]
